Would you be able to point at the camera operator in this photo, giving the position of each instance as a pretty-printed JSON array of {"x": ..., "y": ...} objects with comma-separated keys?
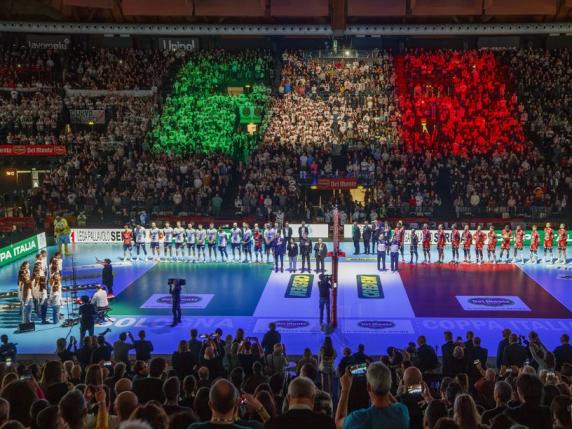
[
  {"x": 324, "y": 285},
  {"x": 175, "y": 291},
  {"x": 7, "y": 349}
]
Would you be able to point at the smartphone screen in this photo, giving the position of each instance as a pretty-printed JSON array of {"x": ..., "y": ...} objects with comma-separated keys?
[{"x": 359, "y": 369}]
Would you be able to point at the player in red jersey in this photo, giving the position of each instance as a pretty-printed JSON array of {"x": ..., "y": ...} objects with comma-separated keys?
[
  {"x": 534, "y": 244},
  {"x": 562, "y": 239},
  {"x": 127, "y": 238},
  {"x": 426, "y": 243},
  {"x": 455, "y": 241},
  {"x": 399, "y": 235},
  {"x": 257, "y": 238},
  {"x": 548, "y": 243},
  {"x": 492, "y": 245},
  {"x": 480, "y": 237},
  {"x": 506, "y": 235},
  {"x": 467, "y": 241},
  {"x": 518, "y": 243},
  {"x": 440, "y": 244}
]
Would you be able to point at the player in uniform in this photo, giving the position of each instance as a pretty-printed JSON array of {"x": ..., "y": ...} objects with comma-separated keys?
[
  {"x": 426, "y": 243},
  {"x": 62, "y": 234},
  {"x": 211, "y": 242},
  {"x": 399, "y": 235},
  {"x": 140, "y": 237},
  {"x": 155, "y": 233},
  {"x": 222, "y": 242},
  {"x": 506, "y": 236},
  {"x": 127, "y": 239},
  {"x": 168, "y": 240},
  {"x": 440, "y": 244},
  {"x": 518, "y": 244},
  {"x": 534, "y": 244},
  {"x": 455, "y": 243},
  {"x": 257, "y": 244},
  {"x": 269, "y": 237},
  {"x": 191, "y": 239},
  {"x": 247, "y": 243},
  {"x": 467, "y": 241},
  {"x": 179, "y": 233},
  {"x": 480, "y": 238},
  {"x": 548, "y": 243},
  {"x": 562, "y": 241},
  {"x": 235, "y": 241},
  {"x": 492, "y": 245},
  {"x": 201, "y": 239},
  {"x": 414, "y": 243}
]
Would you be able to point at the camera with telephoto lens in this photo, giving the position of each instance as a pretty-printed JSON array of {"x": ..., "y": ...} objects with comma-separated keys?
[{"x": 173, "y": 282}]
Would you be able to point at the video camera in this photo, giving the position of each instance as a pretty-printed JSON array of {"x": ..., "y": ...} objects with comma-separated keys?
[{"x": 174, "y": 282}]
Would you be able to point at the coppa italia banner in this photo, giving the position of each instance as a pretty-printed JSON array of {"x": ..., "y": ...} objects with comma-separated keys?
[
  {"x": 407, "y": 238},
  {"x": 337, "y": 183},
  {"x": 32, "y": 150},
  {"x": 85, "y": 116},
  {"x": 22, "y": 248}
]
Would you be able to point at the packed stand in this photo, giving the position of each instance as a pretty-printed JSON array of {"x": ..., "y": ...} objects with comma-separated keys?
[
  {"x": 214, "y": 381},
  {"x": 538, "y": 179},
  {"x": 24, "y": 68}
]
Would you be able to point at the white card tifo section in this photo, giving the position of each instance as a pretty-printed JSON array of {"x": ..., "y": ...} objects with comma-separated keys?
[
  {"x": 198, "y": 301},
  {"x": 492, "y": 303}
]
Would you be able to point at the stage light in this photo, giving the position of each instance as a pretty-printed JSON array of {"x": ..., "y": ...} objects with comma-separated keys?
[
  {"x": 347, "y": 52},
  {"x": 91, "y": 123},
  {"x": 313, "y": 187},
  {"x": 10, "y": 173}
]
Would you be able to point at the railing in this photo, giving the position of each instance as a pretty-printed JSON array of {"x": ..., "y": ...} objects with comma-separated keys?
[{"x": 535, "y": 212}]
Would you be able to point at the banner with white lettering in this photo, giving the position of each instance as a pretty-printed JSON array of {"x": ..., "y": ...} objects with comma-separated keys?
[
  {"x": 188, "y": 44},
  {"x": 47, "y": 41},
  {"x": 87, "y": 116}
]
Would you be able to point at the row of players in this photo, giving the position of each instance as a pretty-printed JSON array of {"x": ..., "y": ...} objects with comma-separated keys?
[{"x": 376, "y": 237}]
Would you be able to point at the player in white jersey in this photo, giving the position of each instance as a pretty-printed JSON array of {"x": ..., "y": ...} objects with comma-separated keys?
[
  {"x": 155, "y": 233},
  {"x": 201, "y": 241},
  {"x": 247, "y": 243},
  {"x": 235, "y": 241},
  {"x": 269, "y": 237},
  {"x": 179, "y": 233},
  {"x": 140, "y": 236},
  {"x": 191, "y": 239},
  {"x": 211, "y": 242},
  {"x": 168, "y": 240},
  {"x": 222, "y": 242}
]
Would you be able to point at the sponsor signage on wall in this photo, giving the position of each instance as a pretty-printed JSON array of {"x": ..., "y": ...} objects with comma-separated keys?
[
  {"x": 288, "y": 325},
  {"x": 87, "y": 116},
  {"x": 47, "y": 41},
  {"x": 175, "y": 43},
  {"x": 22, "y": 248},
  {"x": 32, "y": 150}
]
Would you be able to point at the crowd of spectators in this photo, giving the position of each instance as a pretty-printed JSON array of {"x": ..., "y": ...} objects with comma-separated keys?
[
  {"x": 29, "y": 68},
  {"x": 238, "y": 382}
]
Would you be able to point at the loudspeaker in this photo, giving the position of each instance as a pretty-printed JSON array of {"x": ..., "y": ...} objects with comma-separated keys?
[{"x": 27, "y": 327}]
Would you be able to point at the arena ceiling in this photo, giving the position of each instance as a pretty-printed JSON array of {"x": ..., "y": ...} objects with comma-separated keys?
[{"x": 338, "y": 13}]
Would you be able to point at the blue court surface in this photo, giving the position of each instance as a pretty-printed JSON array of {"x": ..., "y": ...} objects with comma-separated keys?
[{"x": 376, "y": 308}]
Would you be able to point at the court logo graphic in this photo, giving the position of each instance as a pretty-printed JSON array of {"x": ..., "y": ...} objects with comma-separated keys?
[
  {"x": 300, "y": 286},
  {"x": 197, "y": 301},
  {"x": 376, "y": 324},
  {"x": 292, "y": 324},
  {"x": 492, "y": 303},
  {"x": 369, "y": 286}
]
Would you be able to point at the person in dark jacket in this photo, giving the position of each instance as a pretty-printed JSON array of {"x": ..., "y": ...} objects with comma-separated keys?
[
  {"x": 279, "y": 250},
  {"x": 426, "y": 359},
  {"x": 320, "y": 252},
  {"x": 502, "y": 345},
  {"x": 151, "y": 388},
  {"x": 271, "y": 337},
  {"x": 143, "y": 347},
  {"x": 183, "y": 360},
  {"x": 514, "y": 353},
  {"x": 306, "y": 251},
  {"x": 292, "y": 255},
  {"x": 303, "y": 230},
  {"x": 530, "y": 413},
  {"x": 87, "y": 315},
  {"x": 367, "y": 234},
  {"x": 563, "y": 353},
  {"x": 356, "y": 234},
  {"x": 107, "y": 276},
  {"x": 447, "y": 353},
  {"x": 286, "y": 232}
]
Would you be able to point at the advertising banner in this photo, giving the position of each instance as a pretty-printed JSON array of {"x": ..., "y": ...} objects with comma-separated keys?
[
  {"x": 300, "y": 286},
  {"x": 175, "y": 43},
  {"x": 337, "y": 183},
  {"x": 369, "y": 286},
  {"x": 22, "y": 248},
  {"x": 86, "y": 116},
  {"x": 32, "y": 150},
  {"x": 47, "y": 41}
]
